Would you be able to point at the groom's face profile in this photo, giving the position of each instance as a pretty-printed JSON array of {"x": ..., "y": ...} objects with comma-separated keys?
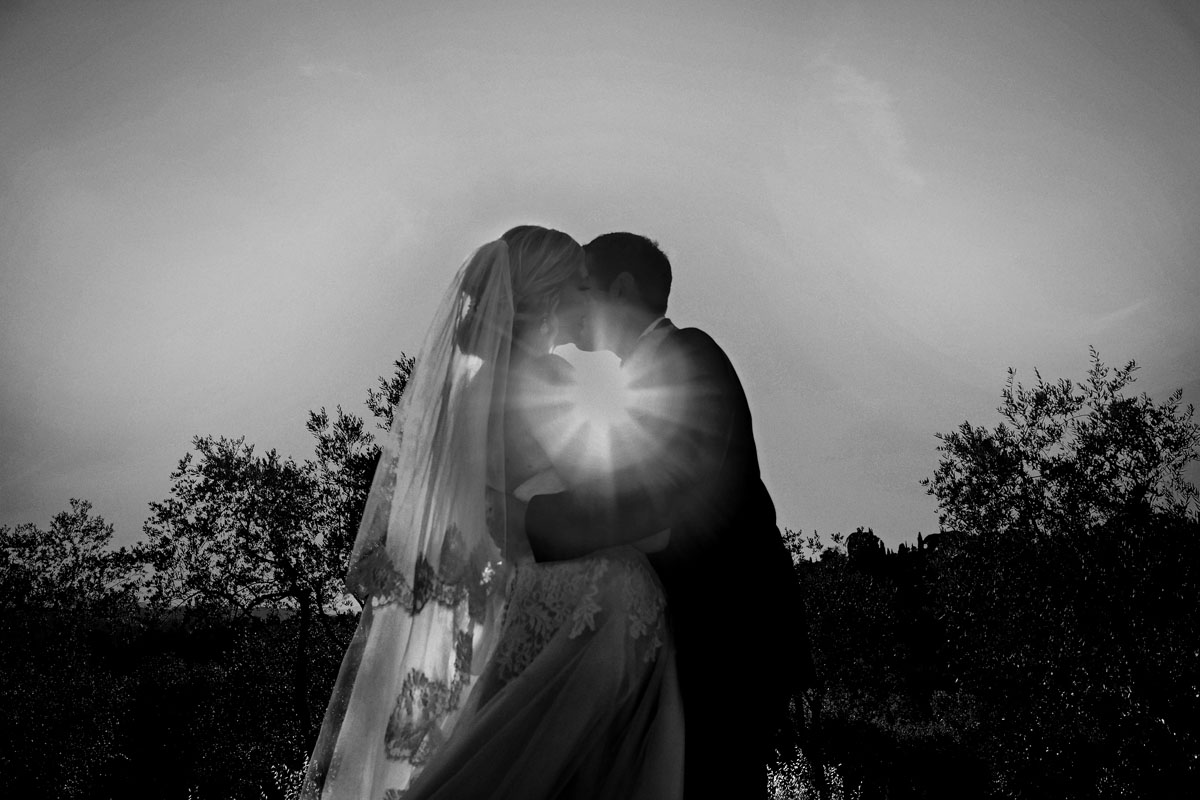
[
  {"x": 602, "y": 317},
  {"x": 616, "y": 315}
]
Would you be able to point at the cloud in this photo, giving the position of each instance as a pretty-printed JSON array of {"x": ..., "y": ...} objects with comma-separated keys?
[
  {"x": 1123, "y": 314},
  {"x": 867, "y": 106}
]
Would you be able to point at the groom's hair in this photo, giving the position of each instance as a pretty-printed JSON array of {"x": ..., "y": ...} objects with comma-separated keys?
[{"x": 611, "y": 254}]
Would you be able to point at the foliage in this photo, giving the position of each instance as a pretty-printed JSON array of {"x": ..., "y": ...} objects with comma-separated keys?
[
  {"x": 381, "y": 401},
  {"x": 1047, "y": 649},
  {"x": 1067, "y": 599},
  {"x": 241, "y": 532},
  {"x": 211, "y": 701},
  {"x": 812, "y": 546},
  {"x": 244, "y": 556},
  {"x": 884, "y": 718},
  {"x": 1069, "y": 457},
  {"x": 1008, "y": 666},
  {"x": 793, "y": 780},
  {"x": 250, "y": 531},
  {"x": 63, "y": 706},
  {"x": 67, "y": 606},
  {"x": 1045, "y": 646},
  {"x": 71, "y": 565},
  {"x": 1081, "y": 655},
  {"x": 346, "y": 455}
]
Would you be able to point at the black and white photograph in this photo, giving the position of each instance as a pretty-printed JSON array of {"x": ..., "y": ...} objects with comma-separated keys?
[{"x": 633, "y": 400}]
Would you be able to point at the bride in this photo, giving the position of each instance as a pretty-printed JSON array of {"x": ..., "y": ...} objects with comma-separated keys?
[{"x": 476, "y": 672}]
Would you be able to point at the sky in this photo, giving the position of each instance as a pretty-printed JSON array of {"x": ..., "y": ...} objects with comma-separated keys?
[{"x": 216, "y": 216}]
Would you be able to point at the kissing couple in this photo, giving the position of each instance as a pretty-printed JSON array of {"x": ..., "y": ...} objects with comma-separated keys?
[{"x": 545, "y": 618}]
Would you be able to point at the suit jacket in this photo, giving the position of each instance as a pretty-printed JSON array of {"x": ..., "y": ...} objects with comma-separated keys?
[{"x": 690, "y": 464}]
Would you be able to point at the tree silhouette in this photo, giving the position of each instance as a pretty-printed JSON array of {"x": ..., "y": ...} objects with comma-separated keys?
[
  {"x": 346, "y": 455},
  {"x": 242, "y": 532},
  {"x": 1068, "y": 457},
  {"x": 865, "y": 550},
  {"x": 70, "y": 566},
  {"x": 1067, "y": 593},
  {"x": 381, "y": 401},
  {"x": 67, "y": 608}
]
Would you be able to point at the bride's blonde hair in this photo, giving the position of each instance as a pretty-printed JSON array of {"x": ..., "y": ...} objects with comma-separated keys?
[{"x": 540, "y": 261}]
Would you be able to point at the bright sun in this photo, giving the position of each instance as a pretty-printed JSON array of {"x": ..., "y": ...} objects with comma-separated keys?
[
  {"x": 602, "y": 424},
  {"x": 601, "y": 394},
  {"x": 599, "y": 406}
]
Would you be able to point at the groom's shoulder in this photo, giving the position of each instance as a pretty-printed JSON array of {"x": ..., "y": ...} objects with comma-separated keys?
[
  {"x": 698, "y": 342},
  {"x": 694, "y": 337},
  {"x": 695, "y": 351}
]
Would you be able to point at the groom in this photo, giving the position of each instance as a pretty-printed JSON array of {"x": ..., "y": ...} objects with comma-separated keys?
[{"x": 689, "y": 464}]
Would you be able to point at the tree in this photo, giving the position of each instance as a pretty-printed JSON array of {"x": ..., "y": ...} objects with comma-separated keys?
[
  {"x": 70, "y": 566},
  {"x": 381, "y": 401},
  {"x": 238, "y": 530},
  {"x": 1068, "y": 597},
  {"x": 865, "y": 550},
  {"x": 346, "y": 455},
  {"x": 242, "y": 532},
  {"x": 883, "y": 719},
  {"x": 1078, "y": 652},
  {"x": 1068, "y": 457},
  {"x": 67, "y": 605}
]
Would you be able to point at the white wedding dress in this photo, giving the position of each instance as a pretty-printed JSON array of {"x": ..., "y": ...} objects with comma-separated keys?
[
  {"x": 478, "y": 673},
  {"x": 579, "y": 699}
]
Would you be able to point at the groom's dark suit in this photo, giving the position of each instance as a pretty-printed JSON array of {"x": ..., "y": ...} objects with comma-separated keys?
[{"x": 692, "y": 466}]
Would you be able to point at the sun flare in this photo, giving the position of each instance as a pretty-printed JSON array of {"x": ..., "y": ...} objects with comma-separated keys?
[{"x": 599, "y": 419}]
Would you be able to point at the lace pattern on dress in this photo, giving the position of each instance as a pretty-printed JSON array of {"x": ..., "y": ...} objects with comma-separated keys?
[
  {"x": 422, "y": 704},
  {"x": 463, "y": 582},
  {"x": 460, "y": 577},
  {"x": 574, "y": 596}
]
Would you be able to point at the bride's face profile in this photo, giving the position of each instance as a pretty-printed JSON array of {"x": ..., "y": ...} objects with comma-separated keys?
[
  {"x": 571, "y": 314},
  {"x": 549, "y": 286}
]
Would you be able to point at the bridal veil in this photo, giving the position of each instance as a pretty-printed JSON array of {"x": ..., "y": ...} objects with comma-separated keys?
[{"x": 430, "y": 562}]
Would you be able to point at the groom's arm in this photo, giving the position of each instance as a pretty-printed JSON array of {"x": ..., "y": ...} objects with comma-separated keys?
[{"x": 685, "y": 431}]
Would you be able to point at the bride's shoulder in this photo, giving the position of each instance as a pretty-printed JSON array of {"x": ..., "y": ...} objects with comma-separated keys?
[{"x": 556, "y": 368}]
